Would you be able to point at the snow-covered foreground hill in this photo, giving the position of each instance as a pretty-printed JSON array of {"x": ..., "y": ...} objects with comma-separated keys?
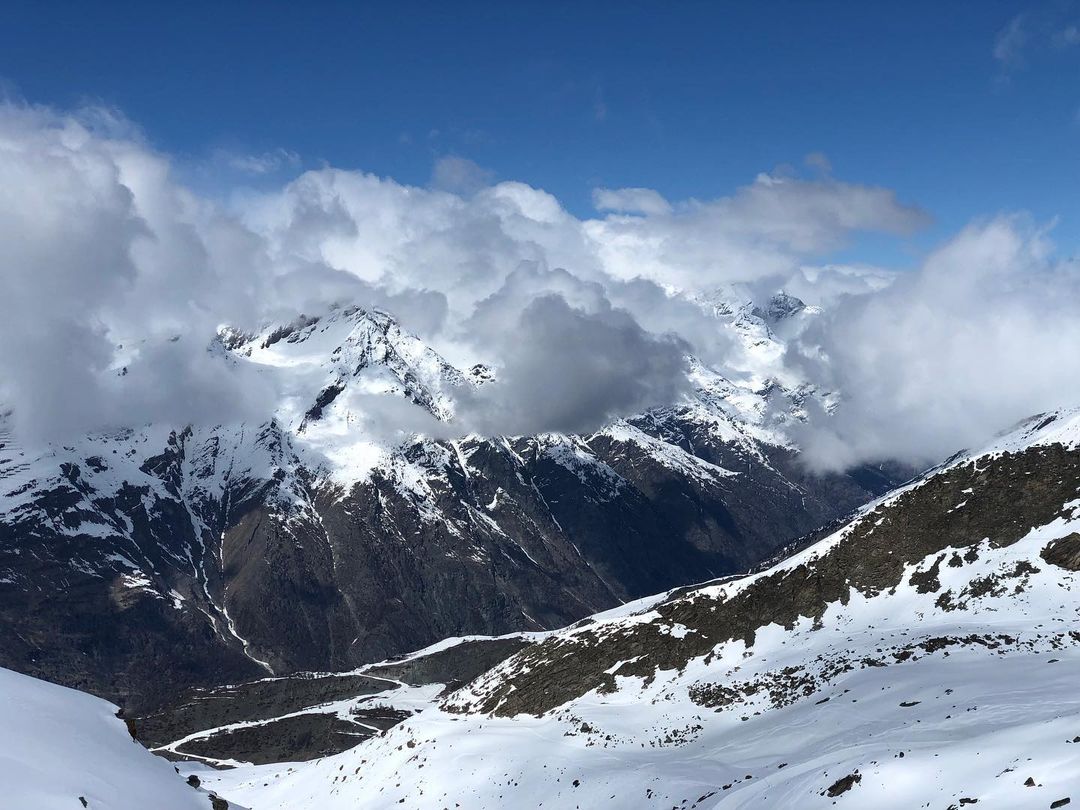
[
  {"x": 925, "y": 655},
  {"x": 61, "y": 749}
]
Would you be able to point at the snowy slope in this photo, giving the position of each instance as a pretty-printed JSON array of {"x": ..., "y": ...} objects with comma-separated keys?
[
  {"x": 922, "y": 656},
  {"x": 327, "y": 368},
  {"x": 62, "y": 750}
]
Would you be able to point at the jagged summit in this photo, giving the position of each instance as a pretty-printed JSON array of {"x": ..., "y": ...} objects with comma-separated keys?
[
  {"x": 782, "y": 306},
  {"x": 317, "y": 359}
]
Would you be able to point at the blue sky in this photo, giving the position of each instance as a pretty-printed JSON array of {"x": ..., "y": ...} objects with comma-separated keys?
[{"x": 938, "y": 101}]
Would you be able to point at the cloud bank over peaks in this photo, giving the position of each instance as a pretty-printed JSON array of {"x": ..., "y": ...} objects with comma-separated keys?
[
  {"x": 115, "y": 276},
  {"x": 764, "y": 230},
  {"x": 568, "y": 359},
  {"x": 982, "y": 335},
  {"x": 98, "y": 248}
]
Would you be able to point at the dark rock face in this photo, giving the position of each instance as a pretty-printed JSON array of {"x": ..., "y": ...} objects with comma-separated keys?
[
  {"x": 1064, "y": 552},
  {"x": 197, "y": 571},
  {"x": 1003, "y": 497},
  {"x": 843, "y": 785}
]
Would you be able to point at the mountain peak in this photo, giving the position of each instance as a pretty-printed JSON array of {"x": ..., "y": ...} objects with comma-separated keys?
[{"x": 782, "y": 306}]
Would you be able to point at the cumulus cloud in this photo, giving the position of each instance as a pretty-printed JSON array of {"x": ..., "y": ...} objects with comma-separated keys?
[
  {"x": 979, "y": 337},
  {"x": 768, "y": 228},
  {"x": 819, "y": 161},
  {"x": 822, "y": 285},
  {"x": 572, "y": 354},
  {"x": 465, "y": 246},
  {"x": 630, "y": 201},
  {"x": 566, "y": 369},
  {"x": 459, "y": 175},
  {"x": 263, "y": 163},
  {"x": 100, "y": 249}
]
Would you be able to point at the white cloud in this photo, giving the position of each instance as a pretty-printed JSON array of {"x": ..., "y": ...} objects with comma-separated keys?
[
  {"x": 102, "y": 247},
  {"x": 459, "y": 175},
  {"x": 819, "y": 161},
  {"x": 570, "y": 369},
  {"x": 1068, "y": 36},
  {"x": 766, "y": 229},
  {"x": 264, "y": 163},
  {"x": 981, "y": 336},
  {"x": 823, "y": 285},
  {"x": 1011, "y": 42},
  {"x": 1045, "y": 29},
  {"x": 630, "y": 201}
]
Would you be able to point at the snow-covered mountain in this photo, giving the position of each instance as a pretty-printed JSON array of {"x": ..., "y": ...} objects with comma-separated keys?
[
  {"x": 923, "y": 655},
  {"x": 60, "y": 748},
  {"x": 141, "y": 561}
]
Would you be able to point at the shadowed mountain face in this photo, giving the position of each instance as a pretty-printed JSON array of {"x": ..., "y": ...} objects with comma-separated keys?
[{"x": 137, "y": 563}]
